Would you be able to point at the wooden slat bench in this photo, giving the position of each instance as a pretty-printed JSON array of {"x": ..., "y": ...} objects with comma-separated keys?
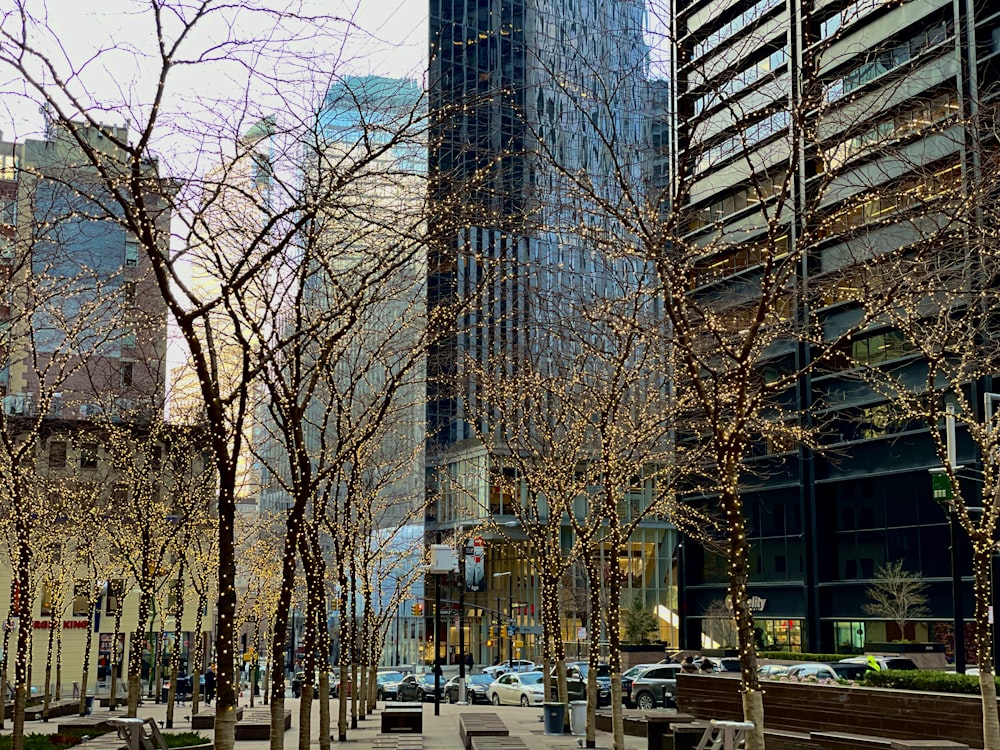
[
  {"x": 476, "y": 724},
  {"x": 498, "y": 743},
  {"x": 847, "y": 740},
  {"x": 403, "y": 717},
  {"x": 398, "y": 742},
  {"x": 255, "y": 724}
]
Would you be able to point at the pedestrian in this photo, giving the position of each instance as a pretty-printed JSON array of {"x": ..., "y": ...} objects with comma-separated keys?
[
  {"x": 469, "y": 662},
  {"x": 688, "y": 666},
  {"x": 707, "y": 666},
  {"x": 209, "y": 686}
]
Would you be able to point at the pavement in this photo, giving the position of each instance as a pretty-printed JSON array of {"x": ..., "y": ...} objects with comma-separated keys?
[{"x": 440, "y": 730}]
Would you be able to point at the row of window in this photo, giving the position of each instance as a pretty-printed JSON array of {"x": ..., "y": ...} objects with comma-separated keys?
[
  {"x": 853, "y": 12},
  {"x": 879, "y": 205},
  {"x": 58, "y": 455},
  {"x": 936, "y": 109},
  {"x": 748, "y": 195},
  {"x": 751, "y": 135},
  {"x": 728, "y": 29},
  {"x": 887, "y": 60},
  {"x": 741, "y": 257},
  {"x": 741, "y": 80}
]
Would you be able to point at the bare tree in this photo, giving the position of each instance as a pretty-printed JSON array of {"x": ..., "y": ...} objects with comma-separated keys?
[{"x": 897, "y": 595}]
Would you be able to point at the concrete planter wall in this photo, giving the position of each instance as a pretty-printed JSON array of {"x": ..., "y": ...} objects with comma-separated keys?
[{"x": 800, "y": 707}]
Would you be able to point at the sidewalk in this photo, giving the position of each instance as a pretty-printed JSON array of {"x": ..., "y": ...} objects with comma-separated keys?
[{"x": 440, "y": 732}]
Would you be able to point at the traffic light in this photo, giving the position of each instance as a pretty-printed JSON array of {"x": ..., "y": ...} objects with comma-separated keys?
[
  {"x": 493, "y": 632},
  {"x": 418, "y": 609}
]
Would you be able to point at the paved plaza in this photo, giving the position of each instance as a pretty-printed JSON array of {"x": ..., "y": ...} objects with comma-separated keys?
[{"x": 440, "y": 732}]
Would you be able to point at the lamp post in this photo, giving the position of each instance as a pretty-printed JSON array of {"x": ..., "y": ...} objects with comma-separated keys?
[
  {"x": 510, "y": 615},
  {"x": 941, "y": 484}
]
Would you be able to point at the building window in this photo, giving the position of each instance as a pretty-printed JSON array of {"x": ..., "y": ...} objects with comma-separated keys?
[
  {"x": 129, "y": 293},
  {"x": 131, "y": 253},
  {"x": 81, "y": 602},
  {"x": 8, "y": 211},
  {"x": 57, "y": 454},
  {"x": 115, "y": 595},
  {"x": 46, "y": 607},
  {"x": 128, "y": 337},
  {"x": 126, "y": 371},
  {"x": 88, "y": 456}
]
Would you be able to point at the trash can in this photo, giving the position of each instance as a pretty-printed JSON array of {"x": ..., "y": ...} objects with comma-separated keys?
[
  {"x": 555, "y": 715},
  {"x": 578, "y": 717}
]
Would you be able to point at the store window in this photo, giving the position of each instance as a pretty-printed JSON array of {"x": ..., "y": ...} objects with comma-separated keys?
[{"x": 81, "y": 602}]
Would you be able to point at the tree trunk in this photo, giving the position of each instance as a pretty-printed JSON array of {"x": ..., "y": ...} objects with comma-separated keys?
[
  {"x": 981, "y": 561},
  {"x": 116, "y": 657},
  {"x": 85, "y": 677},
  {"x": 23, "y": 655},
  {"x": 47, "y": 696},
  {"x": 753, "y": 700},
  {"x": 592, "y": 564},
  {"x": 197, "y": 662}
]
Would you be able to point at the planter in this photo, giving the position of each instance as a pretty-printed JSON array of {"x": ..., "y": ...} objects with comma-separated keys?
[
  {"x": 203, "y": 746},
  {"x": 720, "y": 653},
  {"x": 904, "y": 648},
  {"x": 804, "y": 708}
]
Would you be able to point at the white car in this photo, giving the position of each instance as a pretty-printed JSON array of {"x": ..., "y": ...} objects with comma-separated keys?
[
  {"x": 518, "y": 665},
  {"x": 518, "y": 688}
]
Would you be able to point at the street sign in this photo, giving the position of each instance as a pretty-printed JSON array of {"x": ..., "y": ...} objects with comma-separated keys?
[
  {"x": 941, "y": 484},
  {"x": 510, "y": 631}
]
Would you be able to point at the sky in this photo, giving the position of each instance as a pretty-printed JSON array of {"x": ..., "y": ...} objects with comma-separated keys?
[{"x": 108, "y": 49}]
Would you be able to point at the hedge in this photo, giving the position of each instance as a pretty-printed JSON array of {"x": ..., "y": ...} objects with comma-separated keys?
[{"x": 923, "y": 679}]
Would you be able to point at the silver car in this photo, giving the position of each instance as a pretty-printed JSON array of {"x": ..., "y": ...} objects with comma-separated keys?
[{"x": 655, "y": 687}]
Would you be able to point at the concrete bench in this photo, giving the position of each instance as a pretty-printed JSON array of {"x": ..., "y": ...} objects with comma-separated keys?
[
  {"x": 256, "y": 723},
  {"x": 205, "y": 719},
  {"x": 473, "y": 725},
  {"x": 403, "y": 718}
]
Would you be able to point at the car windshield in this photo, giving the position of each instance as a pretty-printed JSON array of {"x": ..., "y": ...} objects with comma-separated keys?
[
  {"x": 850, "y": 671},
  {"x": 602, "y": 670},
  {"x": 389, "y": 677},
  {"x": 636, "y": 670},
  {"x": 427, "y": 679},
  {"x": 479, "y": 679},
  {"x": 531, "y": 678}
]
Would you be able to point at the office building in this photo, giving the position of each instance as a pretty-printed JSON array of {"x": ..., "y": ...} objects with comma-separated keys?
[
  {"x": 856, "y": 116},
  {"x": 515, "y": 87}
]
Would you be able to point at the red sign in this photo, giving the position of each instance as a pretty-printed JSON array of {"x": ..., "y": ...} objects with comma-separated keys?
[{"x": 67, "y": 624}]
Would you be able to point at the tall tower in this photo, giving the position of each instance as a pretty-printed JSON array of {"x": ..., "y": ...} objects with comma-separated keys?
[{"x": 516, "y": 85}]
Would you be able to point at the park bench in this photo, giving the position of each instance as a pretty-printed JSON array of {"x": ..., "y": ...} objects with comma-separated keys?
[
  {"x": 403, "y": 717},
  {"x": 398, "y": 742},
  {"x": 845, "y": 740},
  {"x": 494, "y": 742},
  {"x": 477, "y": 724}
]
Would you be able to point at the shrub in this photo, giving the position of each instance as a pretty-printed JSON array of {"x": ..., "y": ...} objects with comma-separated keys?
[
  {"x": 923, "y": 679},
  {"x": 37, "y": 741},
  {"x": 183, "y": 739}
]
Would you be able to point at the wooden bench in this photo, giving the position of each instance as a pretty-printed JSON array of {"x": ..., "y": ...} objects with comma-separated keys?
[
  {"x": 398, "y": 742},
  {"x": 498, "y": 743},
  {"x": 476, "y": 724},
  {"x": 403, "y": 717},
  {"x": 848, "y": 740}
]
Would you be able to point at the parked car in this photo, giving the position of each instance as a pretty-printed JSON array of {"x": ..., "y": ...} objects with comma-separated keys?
[
  {"x": 387, "y": 685},
  {"x": 771, "y": 670},
  {"x": 630, "y": 674},
  {"x": 518, "y": 665},
  {"x": 518, "y": 688},
  {"x": 827, "y": 671},
  {"x": 417, "y": 687},
  {"x": 576, "y": 683},
  {"x": 655, "y": 686},
  {"x": 476, "y": 686},
  {"x": 335, "y": 687},
  {"x": 884, "y": 662}
]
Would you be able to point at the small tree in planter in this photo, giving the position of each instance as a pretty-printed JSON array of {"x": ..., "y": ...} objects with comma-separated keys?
[
  {"x": 897, "y": 595},
  {"x": 639, "y": 622}
]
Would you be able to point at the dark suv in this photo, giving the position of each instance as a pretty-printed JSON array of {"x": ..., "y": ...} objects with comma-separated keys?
[
  {"x": 576, "y": 682},
  {"x": 655, "y": 687}
]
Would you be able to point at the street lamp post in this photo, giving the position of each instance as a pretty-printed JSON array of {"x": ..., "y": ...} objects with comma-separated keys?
[{"x": 510, "y": 615}]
